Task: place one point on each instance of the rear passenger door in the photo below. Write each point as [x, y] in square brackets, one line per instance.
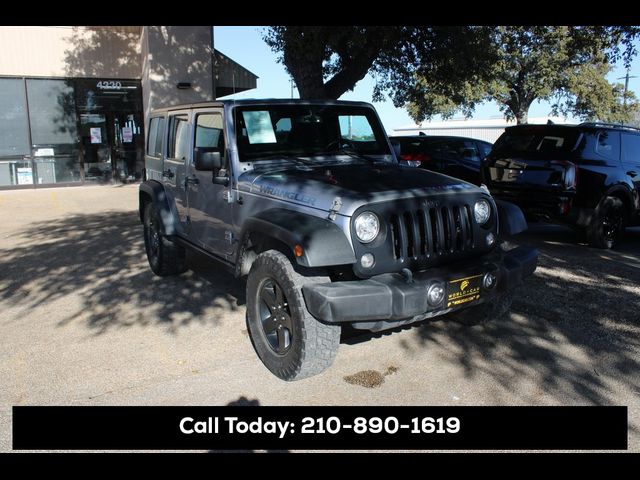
[631, 162]
[175, 164]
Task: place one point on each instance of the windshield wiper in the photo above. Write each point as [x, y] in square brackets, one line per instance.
[355, 154]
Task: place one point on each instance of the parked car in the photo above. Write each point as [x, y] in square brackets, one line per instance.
[307, 201]
[587, 176]
[458, 157]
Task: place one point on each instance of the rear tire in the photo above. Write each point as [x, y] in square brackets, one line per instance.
[485, 312]
[291, 343]
[608, 224]
[165, 257]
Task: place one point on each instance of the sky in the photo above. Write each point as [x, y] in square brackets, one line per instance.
[244, 44]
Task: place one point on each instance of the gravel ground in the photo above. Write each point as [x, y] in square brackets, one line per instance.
[84, 322]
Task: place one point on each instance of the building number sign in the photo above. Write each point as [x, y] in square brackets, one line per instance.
[109, 85]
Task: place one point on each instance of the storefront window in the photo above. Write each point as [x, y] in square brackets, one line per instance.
[56, 131]
[14, 127]
[53, 131]
[15, 172]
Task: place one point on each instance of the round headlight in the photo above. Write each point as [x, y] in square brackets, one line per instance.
[482, 211]
[367, 227]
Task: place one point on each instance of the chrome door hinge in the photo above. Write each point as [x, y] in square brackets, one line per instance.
[227, 196]
[228, 236]
[335, 208]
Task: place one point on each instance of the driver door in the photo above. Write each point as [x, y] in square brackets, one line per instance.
[209, 206]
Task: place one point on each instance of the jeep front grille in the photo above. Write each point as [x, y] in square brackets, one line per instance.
[440, 230]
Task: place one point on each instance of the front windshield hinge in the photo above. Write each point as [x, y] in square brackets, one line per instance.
[335, 208]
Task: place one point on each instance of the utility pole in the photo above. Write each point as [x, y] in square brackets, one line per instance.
[292, 87]
[626, 86]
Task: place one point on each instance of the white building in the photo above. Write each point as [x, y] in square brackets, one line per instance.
[487, 130]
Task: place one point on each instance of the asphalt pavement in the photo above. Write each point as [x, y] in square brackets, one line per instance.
[83, 321]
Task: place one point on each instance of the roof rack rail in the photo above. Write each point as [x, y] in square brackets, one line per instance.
[609, 125]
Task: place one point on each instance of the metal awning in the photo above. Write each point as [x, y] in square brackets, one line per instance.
[231, 77]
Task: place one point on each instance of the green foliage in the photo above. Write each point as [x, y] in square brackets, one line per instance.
[564, 65]
[444, 70]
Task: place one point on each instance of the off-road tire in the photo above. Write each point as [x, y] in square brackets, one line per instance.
[485, 312]
[608, 223]
[313, 344]
[165, 257]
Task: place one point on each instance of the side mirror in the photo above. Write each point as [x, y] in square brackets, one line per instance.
[206, 161]
[396, 147]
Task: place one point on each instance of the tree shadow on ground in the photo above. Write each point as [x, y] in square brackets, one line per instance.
[574, 325]
[96, 266]
[574, 328]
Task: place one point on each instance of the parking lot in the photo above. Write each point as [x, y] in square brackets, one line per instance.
[84, 322]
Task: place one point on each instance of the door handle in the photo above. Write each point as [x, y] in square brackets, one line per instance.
[632, 173]
[168, 173]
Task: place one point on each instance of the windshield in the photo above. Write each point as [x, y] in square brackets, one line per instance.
[286, 131]
[536, 141]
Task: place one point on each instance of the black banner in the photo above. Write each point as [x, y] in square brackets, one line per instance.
[319, 428]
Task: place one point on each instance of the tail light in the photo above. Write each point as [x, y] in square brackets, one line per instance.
[571, 172]
[416, 159]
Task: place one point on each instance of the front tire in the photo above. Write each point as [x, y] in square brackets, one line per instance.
[290, 342]
[608, 224]
[165, 257]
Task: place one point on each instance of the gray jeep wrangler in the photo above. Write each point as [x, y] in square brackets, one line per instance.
[307, 199]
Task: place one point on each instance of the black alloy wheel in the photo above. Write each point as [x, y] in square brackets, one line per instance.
[275, 316]
[612, 225]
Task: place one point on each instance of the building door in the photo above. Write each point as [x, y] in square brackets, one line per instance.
[127, 145]
[111, 129]
[94, 137]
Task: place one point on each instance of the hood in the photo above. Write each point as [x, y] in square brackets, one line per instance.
[356, 184]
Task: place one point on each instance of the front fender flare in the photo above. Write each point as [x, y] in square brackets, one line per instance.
[511, 220]
[323, 242]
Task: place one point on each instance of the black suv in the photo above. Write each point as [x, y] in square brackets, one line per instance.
[457, 157]
[587, 176]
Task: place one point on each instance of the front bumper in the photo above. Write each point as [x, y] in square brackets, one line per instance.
[391, 298]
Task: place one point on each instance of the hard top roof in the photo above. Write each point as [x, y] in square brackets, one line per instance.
[259, 101]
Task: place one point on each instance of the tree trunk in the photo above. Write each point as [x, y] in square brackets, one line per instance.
[522, 116]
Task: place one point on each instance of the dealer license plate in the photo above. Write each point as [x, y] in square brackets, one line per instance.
[463, 290]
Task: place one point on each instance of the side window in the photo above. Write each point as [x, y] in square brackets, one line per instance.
[631, 148]
[608, 145]
[153, 133]
[356, 127]
[154, 141]
[179, 137]
[209, 131]
[485, 149]
[468, 150]
[159, 137]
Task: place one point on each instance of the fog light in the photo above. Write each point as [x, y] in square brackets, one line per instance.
[489, 281]
[491, 239]
[435, 294]
[367, 260]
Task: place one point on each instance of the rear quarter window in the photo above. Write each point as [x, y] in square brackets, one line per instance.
[607, 145]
